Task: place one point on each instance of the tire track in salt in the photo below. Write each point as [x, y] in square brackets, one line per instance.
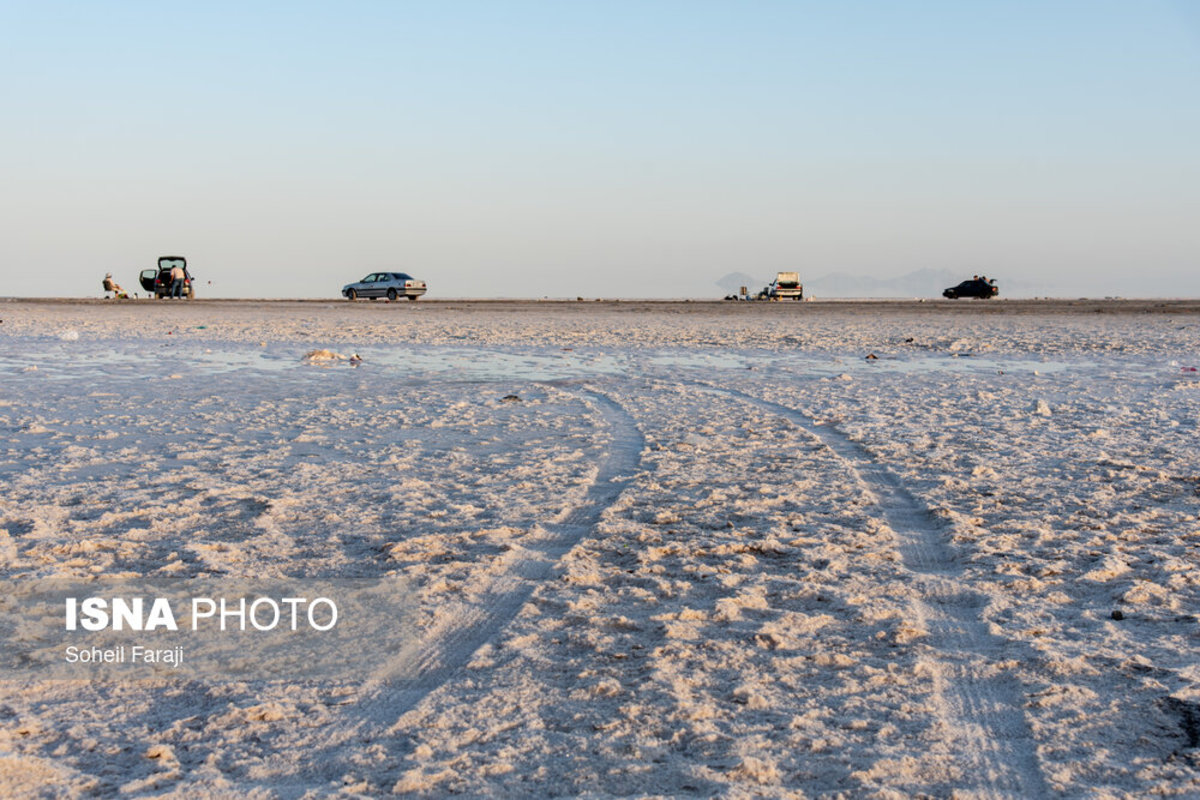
[433, 661]
[989, 737]
[445, 650]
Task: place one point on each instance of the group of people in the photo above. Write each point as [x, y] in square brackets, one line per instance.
[177, 277]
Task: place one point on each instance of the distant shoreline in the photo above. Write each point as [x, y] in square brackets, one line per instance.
[930, 306]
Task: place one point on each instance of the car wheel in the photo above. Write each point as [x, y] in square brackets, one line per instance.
[391, 295]
[351, 295]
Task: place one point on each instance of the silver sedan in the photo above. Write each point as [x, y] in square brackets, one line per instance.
[385, 284]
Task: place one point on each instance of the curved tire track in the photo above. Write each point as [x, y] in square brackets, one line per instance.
[442, 652]
[445, 650]
[992, 745]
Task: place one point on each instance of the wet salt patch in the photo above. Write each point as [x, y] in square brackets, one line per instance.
[460, 363]
[478, 363]
[826, 365]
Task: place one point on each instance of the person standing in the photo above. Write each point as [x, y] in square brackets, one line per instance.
[177, 275]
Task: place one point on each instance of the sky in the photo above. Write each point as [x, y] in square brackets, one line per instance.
[599, 149]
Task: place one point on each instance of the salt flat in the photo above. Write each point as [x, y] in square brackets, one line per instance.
[876, 549]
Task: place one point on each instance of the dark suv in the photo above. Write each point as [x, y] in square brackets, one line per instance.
[158, 281]
[981, 288]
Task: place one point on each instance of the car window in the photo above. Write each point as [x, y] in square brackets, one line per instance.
[369, 279]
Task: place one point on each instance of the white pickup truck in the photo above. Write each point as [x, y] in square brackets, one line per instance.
[785, 286]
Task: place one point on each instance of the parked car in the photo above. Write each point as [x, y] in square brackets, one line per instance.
[385, 284]
[158, 281]
[786, 286]
[980, 288]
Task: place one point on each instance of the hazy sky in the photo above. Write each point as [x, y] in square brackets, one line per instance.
[636, 149]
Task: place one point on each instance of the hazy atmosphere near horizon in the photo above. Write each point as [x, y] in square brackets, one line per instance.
[616, 149]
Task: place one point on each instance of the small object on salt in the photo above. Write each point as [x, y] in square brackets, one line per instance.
[872, 357]
[1118, 614]
[510, 398]
[326, 356]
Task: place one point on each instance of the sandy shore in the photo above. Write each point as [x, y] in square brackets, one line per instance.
[817, 549]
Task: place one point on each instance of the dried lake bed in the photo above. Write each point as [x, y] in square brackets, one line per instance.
[749, 549]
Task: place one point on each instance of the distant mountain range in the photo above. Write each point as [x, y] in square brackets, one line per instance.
[922, 283]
